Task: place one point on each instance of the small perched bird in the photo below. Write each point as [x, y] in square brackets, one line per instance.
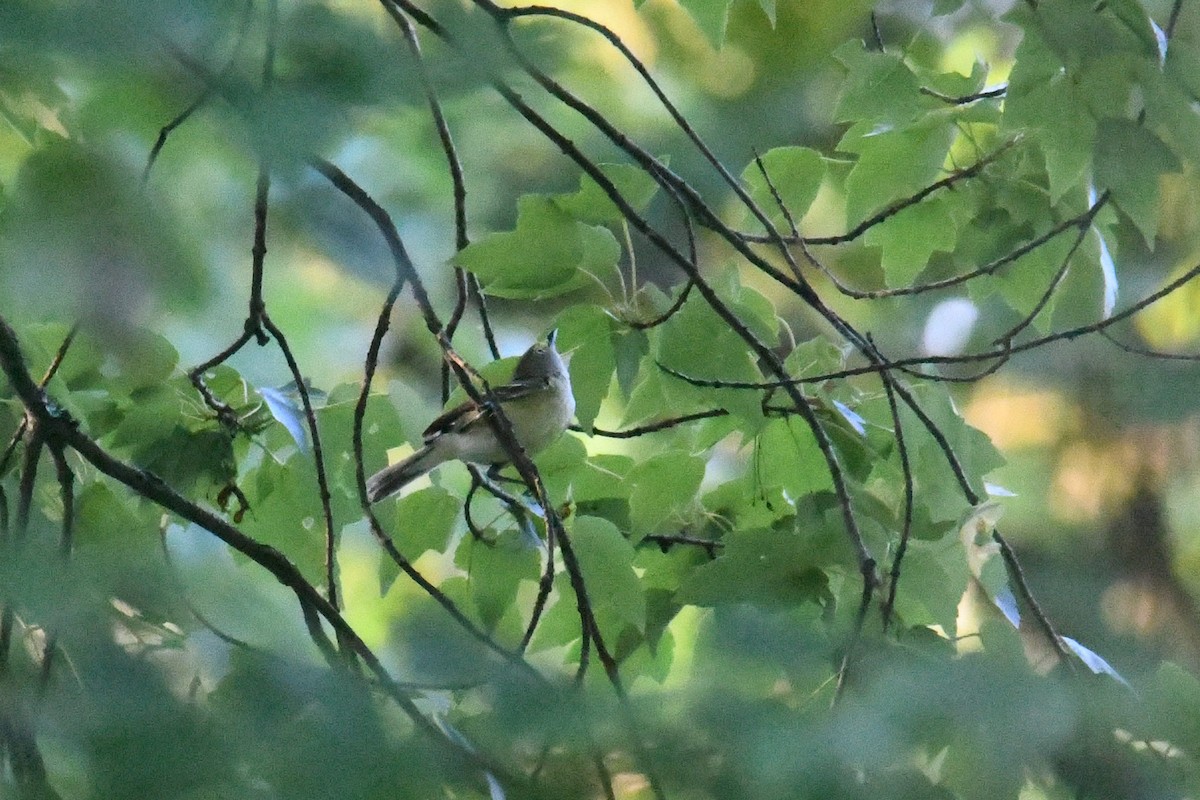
[537, 402]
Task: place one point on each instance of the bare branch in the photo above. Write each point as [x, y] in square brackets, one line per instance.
[655, 427]
[966, 99]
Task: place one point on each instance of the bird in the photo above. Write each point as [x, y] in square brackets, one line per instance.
[538, 403]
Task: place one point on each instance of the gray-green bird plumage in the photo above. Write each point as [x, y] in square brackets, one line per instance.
[537, 402]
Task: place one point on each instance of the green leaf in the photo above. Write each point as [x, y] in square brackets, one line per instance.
[586, 332]
[1129, 161]
[1081, 38]
[795, 172]
[119, 551]
[100, 242]
[753, 309]
[559, 624]
[144, 359]
[933, 577]
[560, 463]
[816, 356]
[666, 571]
[663, 487]
[972, 448]
[381, 430]
[768, 7]
[152, 414]
[893, 162]
[1172, 697]
[654, 659]
[878, 87]
[698, 343]
[786, 455]
[955, 84]
[649, 397]
[1183, 70]
[285, 512]
[910, 237]
[768, 567]
[423, 520]
[711, 16]
[1024, 282]
[606, 561]
[1041, 98]
[547, 254]
[592, 205]
[599, 489]
[1081, 297]
[155, 430]
[604, 476]
[629, 349]
[496, 571]
[1169, 111]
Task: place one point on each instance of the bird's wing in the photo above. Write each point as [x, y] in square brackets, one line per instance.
[452, 419]
[464, 414]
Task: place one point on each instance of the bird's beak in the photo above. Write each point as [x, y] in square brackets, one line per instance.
[551, 337]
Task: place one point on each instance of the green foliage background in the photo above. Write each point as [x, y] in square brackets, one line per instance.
[778, 596]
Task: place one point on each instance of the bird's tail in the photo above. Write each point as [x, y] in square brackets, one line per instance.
[390, 480]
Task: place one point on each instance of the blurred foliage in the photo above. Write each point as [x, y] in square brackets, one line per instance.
[1048, 145]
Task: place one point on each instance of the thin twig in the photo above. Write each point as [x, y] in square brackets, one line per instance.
[889, 604]
[202, 98]
[1003, 352]
[673, 309]
[66, 493]
[1017, 575]
[666, 541]
[793, 230]
[501, 426]
[876, 35]
[654, 427]
[1147, 351]
[318, 457]
[955, 280]
[461, 287]
[605, 775]
[545, 585]
[51, 371]
[654, 167]
[1084, 226]
[692, 256]
[965, 99]
[1176, 7]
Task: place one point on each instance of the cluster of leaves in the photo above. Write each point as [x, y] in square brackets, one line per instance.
[768, 557]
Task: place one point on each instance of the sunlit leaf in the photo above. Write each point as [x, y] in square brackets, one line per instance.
[795, 173]
[423, 520]
[548, 253]
[893, 162]
[592, 204]
[711, 16]
[663, 487]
